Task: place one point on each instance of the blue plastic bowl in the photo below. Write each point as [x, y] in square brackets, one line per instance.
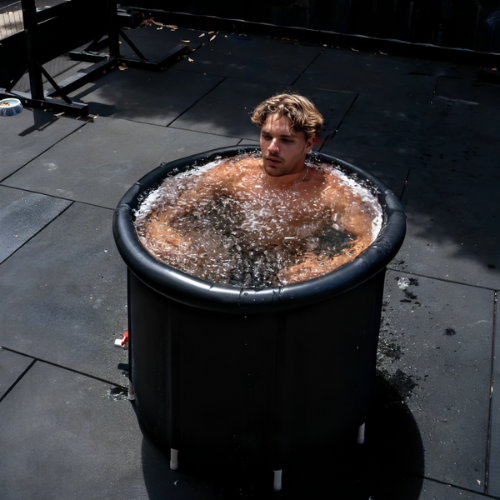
[14, 107]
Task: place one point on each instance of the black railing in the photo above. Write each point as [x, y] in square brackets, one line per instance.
[29, 55]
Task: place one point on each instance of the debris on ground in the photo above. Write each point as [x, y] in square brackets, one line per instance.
[118, 393]
[122, 341]
[150, 21]
[403, 283]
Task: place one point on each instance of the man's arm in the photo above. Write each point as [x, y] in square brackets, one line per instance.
[349, 211]
[159, 230]
[349, 215]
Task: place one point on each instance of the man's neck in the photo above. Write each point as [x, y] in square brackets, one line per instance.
[288, 178]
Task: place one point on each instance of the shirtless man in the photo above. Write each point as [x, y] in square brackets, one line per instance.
[279, 199]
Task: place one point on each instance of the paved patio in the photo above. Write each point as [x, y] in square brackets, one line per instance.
[428, 129]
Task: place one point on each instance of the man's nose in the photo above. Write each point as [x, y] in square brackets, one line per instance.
[273, 146]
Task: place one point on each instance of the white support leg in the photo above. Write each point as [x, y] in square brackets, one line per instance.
[277, 480]
[361, 434]
[174, 459]
[131, 393]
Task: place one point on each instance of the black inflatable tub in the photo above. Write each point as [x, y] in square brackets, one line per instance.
[270, 371]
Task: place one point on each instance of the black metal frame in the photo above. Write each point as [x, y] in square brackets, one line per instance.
[112, 40]
[37, 98]
[56, 98]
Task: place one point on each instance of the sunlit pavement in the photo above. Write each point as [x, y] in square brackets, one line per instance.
[428, 129]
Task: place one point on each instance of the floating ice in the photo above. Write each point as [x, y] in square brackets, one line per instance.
[224, 222]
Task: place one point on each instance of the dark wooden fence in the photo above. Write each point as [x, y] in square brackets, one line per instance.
[469, 24]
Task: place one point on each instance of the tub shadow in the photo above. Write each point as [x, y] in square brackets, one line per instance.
[389, 466]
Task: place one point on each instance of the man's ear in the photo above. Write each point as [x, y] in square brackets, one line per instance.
[310, 143]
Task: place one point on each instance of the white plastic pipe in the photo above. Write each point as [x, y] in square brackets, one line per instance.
[361, 434]
[131, 393]
[277, 480]
[174, 459]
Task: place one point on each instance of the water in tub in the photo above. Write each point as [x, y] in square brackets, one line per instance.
[230, 222]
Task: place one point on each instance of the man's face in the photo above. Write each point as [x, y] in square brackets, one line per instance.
[283, 149]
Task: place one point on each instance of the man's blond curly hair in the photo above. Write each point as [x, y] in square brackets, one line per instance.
[300, 110]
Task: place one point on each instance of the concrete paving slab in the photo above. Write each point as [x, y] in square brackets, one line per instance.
[378, 130]
[228, 108]
[435, 348]
[378, 119]
[100, 162]
[64, 294]
[151, 97]
[22, 215]
[393, 175]
[475, 153]
[12, 366]
[467, 140]
[469, 91]
[363, 72]
[27, 135]
[243, 57]
[432, 490]
[401, 155]
[494, 464]
[446, 135]
[72, 436]
[453, 228]
[155, 41]
[447, 155]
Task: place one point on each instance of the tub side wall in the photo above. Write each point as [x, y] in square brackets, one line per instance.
[254, 385]
[330, 367]
[152, 357]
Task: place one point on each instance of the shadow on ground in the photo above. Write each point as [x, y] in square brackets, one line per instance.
[453, 227]
[390, 465]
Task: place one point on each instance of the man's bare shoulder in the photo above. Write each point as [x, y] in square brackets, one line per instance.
[235, 165]
[336, 190]
[246, 162]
